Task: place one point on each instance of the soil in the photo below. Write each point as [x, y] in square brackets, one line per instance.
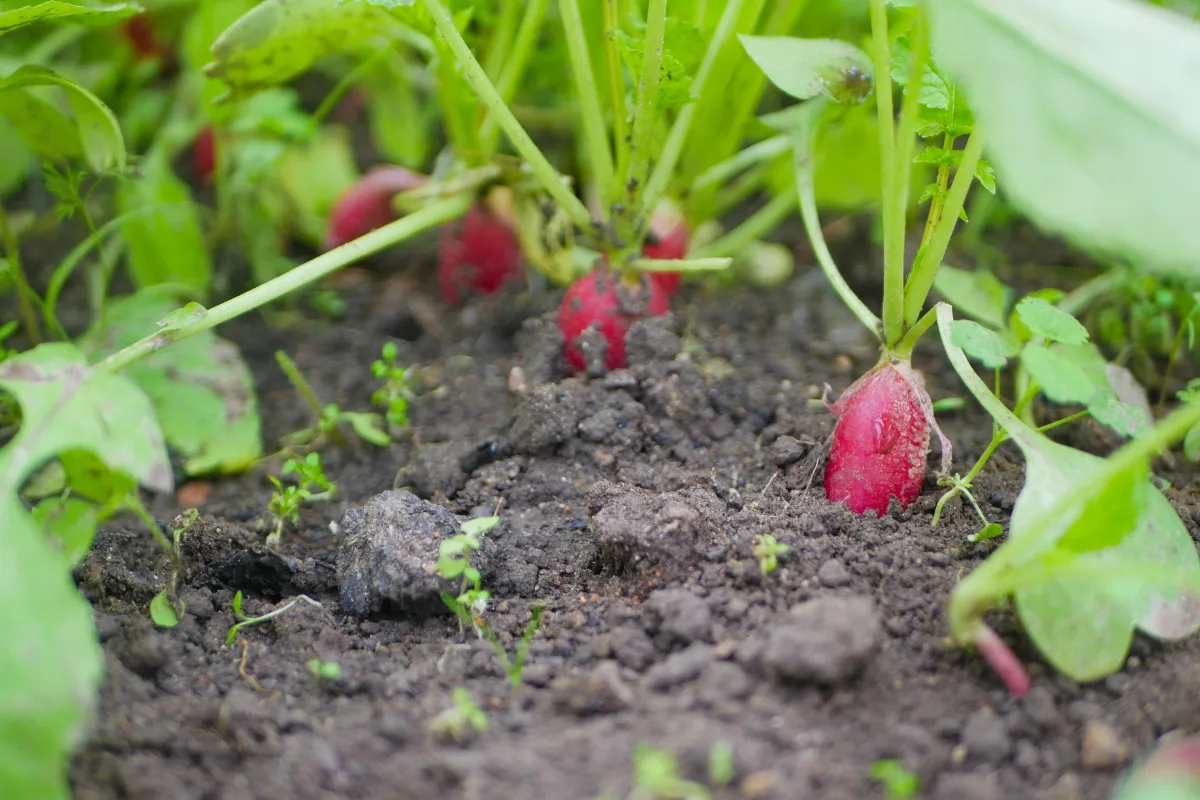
[629, 504]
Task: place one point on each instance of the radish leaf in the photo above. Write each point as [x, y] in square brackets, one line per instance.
[1082, 577]
[987, 346]
[805, 68]
[1050, 322]
[1061, 380]
[977, 294]
[84, 14]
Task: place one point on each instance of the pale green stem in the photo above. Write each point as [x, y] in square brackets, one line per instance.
[929, 260]
[501, 40]
[680, 264]
[24, 290]
[616, 86]
[317, 268]
[634, 181]
[673, 148]
[893, 241]
[594, 134]
[542, 169]
[758, 225]
[719, 174]
[514, 68]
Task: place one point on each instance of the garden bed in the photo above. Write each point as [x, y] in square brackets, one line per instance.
[629, 505]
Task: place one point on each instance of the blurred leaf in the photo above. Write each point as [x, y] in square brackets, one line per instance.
[58, 11]
[1091, 117]
[1050, 322]
[18, 160]
[166, 244]
[201, 388]
[1061, 380]
[805, 68]
[313, 175]
[982, 344]
[977, 293]
[99, 132]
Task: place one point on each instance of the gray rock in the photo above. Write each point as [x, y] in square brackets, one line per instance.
[600, 692]
[681, 667]
[986, 736]
[388, 559]
[632, 647]
[787, 450]
[679, 616]
[833, 574]
[824, 641]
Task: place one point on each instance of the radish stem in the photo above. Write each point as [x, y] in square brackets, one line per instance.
[893, 218]
[594, 134]
[514, 68]
[757, 225]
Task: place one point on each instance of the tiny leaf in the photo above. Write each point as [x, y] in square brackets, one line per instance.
[479, 525]
[975, 293]
[1050, 322]
[161, 611]
[984, 345]
[1061, 380]
[805, 68]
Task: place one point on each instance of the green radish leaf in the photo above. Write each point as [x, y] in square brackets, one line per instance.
[479, 525]
[401, 123]
[805, 68]
[70, 520]
[1126, 419]
[976, 293]
[161, 612]
[984, 345]
[1085, 103]
[1074, 586]
[201, 388]
[1191, 444]
[53, 666]
[279, 39]
[1061, 380]
[56, 10]
[1050, 322]
[18, 158]
[313, 176]
[99, 132]
[41, 127]
[166, 244]
[986, 175]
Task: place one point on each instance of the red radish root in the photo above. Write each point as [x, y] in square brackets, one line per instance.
[367, 204]
[602, 300]
[668, 241]
[1003, 660]
[479, 253]
[139, 32]
[881, 440]
[204, 153]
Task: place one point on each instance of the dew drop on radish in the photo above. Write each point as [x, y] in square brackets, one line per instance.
[600, 299]
[367, 204]
[477, 254]
[880, 441]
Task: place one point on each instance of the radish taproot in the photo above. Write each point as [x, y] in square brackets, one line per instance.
[477, 254]
[367, 204]
[603, 300]
[881, 439]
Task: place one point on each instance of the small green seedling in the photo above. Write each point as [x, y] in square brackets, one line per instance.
[721, 764]
[396, 392]
[898, 783]
[767, 551]
[457, 721]
[331, 419]
[324, 670]
[311, 486]
[656, 777]
[244, 622]
[166, 609]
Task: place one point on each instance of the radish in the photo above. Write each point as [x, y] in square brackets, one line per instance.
[204, 153]
[367, 204]
[601, 299]
[668, 241]
[881, 439]
[139, 32]
[479, 253]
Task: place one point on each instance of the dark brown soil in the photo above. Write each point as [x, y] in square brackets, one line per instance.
[630, 503]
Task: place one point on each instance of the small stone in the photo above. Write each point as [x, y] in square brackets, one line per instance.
[600, 692]
[680, 615]
[1103, 747]
[632, 647]
[833, 574]
[724, 681]
[787, 450]
[395, 727]
[824, 641]
[986, 736]
[1039, 705]
[681, 667]
[759, 784]
[967, 786]
[518, 384]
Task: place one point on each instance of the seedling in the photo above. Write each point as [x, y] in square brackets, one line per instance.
[324, 670]
[898, 783]
[167, 608]
[311, 486]
[656, 777]
[767, 551]
[396, 392]
[721, 764]
[454, 560]
[245, 622]
[458, 720]
[330, 417]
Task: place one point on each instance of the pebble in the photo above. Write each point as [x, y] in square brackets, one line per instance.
[986, 736]
[787, 450]
[632, 647]
[1103, 747]
[967, 786]
[680, 615]
[600, 692]
[681, 667]
[833, 574]
[724, 681]
[1039, 705]
[824, 641]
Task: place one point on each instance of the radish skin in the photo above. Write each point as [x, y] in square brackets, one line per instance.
[479, 254]
[602, 300]
[367, 204]
[668, 241]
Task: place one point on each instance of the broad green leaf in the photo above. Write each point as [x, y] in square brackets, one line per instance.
[1191, 444]
[161, 612]
[1085, 602]
[1091, 115]
[99, 132]
[166, 244]
[1061, 380]
[56, 10]
[18, 161]
[402, 125]
[279, 39]
[1126, 419]
[70, 520]
[1050, 322]
[978, 294]
[805, 68]
[44, 129]
[201, 388]
[984, 345]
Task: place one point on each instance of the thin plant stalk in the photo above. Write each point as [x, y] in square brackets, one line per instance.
[893, 218]
[541, 167]
[758, 225]
[719, 174]
[501, 40]
[634, 180]
[324, 264]
[13, 254]
[594, 133]
[514, 68]
[616, 88]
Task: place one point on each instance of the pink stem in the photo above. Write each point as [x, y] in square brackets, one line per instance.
[1003, 660]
